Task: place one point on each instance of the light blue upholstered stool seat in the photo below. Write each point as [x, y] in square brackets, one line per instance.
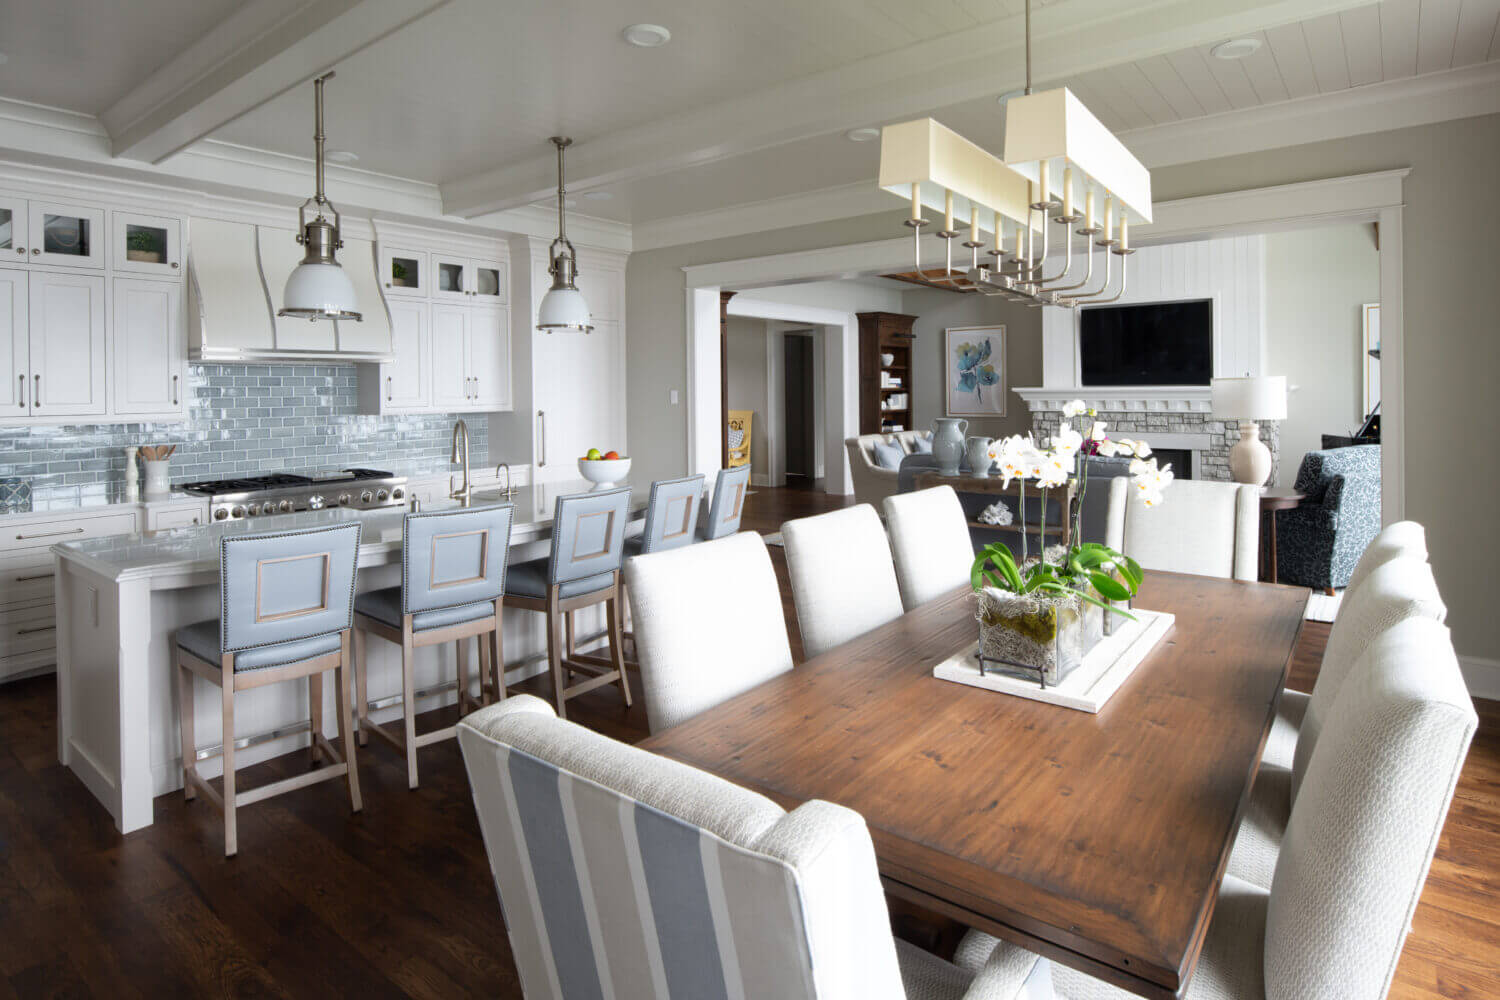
[288, 601]
[727, 508]
[583, 570]
[453, 576]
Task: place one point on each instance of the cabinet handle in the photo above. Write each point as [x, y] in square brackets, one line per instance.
[51, 534]
[36, 394]
[176, 399]
[21, 251]
[35, 251]
[388, 388]
[39, 628]
[476, 386]
[34, 576]
[175, 265]
[21, 393]
[541, 425]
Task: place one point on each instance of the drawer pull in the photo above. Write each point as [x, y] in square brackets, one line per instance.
[39, 628]
[37, 576]
[51, 534]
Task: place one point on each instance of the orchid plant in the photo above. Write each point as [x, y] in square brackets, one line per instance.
[1087, 565]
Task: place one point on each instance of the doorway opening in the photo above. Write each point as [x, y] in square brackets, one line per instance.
[799, 409]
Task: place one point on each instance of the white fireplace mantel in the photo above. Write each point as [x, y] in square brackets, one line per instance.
[1133, 399]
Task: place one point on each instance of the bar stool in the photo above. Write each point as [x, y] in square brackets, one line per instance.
[452, 582]
[588, 544]
[671, 522]
[728, 506]
[287, 600]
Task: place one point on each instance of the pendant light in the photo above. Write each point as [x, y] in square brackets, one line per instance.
[563, 307]
[318, 288]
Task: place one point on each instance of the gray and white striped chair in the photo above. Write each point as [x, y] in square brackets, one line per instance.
[452, 584]
[1205, 528]
[843, 580]
[930, 542]
[625, 874]
[583, 571]
[287, 601]
[708, 624]
[1394, 592]
[1358, 845]
[727, 508]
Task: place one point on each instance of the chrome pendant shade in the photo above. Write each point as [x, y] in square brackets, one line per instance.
[563, 307]
[318, 288]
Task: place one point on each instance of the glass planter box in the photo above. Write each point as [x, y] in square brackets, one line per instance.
[1040, 637]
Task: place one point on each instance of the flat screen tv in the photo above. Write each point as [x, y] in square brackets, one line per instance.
[1161, 343]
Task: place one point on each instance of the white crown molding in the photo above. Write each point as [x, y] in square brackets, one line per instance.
[1117, 399]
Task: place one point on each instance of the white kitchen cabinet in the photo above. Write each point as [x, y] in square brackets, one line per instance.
[147, 244]
[13, 219]
[469, 279]
[450, 356]
[149, 348]
[406, 383]
[68, 376]
[489, 358]
[403, 273]
[15, 342]
[66, 235]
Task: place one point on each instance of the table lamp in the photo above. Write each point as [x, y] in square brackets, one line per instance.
[1248, 399]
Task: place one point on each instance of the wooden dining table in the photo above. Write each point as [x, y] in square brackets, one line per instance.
[1098, 841]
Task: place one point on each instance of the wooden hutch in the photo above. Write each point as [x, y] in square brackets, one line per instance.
[885, 390]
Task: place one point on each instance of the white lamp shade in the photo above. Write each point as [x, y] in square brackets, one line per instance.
[564, 309]
[939, 161]
[1257, 397]
[320, 289]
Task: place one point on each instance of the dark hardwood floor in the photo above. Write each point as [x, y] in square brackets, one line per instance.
[398, 901]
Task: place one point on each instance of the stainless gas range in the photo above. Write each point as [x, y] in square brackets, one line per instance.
[286, 493]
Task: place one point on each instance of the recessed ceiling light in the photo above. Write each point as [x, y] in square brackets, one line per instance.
[647, 36]
[598, 195]
[862, 134]
[341, 156]
[1236, 48]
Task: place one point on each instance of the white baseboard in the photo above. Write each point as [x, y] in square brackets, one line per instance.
[1482, 675]
[758, 479]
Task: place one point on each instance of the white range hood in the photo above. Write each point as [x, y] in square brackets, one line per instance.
[236, 274]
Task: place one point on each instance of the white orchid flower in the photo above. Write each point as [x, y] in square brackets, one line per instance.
[1066, 442]
[1142, 449]
[1011, 453]
[1097, 433]
[1074, 409]
[1108, 448]
[1054, 472]
[1141, 467]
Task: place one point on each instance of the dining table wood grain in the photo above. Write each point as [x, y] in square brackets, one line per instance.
[1098, 841]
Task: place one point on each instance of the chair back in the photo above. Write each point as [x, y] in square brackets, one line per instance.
[1205, 528]
[930, 542]
[740, 425]
[843, 580]
[1403, 538]
[454, 557]
[626, 874]
[708, 625]
[1363, 831]
[728, 505]
[279, 586]
[1400, 589]
[672, 514]
[588, 534]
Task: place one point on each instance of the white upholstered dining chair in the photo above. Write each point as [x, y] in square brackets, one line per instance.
[1205, 528]
[626, 874]
[1398, 591]
[843, 580]
[1358, 844]
[930, 542]
[708, 624]
[1403, 539]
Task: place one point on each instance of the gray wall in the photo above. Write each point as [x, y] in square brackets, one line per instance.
[747, 383]
[1317, 280]
[1452, 355]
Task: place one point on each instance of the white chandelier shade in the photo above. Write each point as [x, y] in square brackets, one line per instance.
[951, 175]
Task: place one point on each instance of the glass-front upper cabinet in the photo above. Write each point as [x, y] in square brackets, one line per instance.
[489, 281]
[12, 228]
[403, 272]
[452, 277]
[147, 244]
[70, 235]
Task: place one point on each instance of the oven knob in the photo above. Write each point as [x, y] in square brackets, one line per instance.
[220, 514]
[345, 499]
[237, 512]
[397, 493]
[315, 502]
[253, 510]
[382, 496]
[285, 506]
[366, 497]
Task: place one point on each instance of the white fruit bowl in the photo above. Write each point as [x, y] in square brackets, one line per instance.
[603, 472]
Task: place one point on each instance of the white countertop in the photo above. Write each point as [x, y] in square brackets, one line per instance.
[183, 551]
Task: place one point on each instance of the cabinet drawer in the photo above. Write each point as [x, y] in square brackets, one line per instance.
[27, 630]
[43, 534]
[175, 517]
[26, 580]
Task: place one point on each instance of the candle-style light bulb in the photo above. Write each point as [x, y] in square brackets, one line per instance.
[1043, 181]
[916, 201]
[1088, 208]
[1124, 229]
[1068, 192]
[973, 223]
[947, 211]
[1109, 219]
[999, 231]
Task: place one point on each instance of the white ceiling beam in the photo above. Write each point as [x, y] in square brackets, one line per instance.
[1069, 39]
[263, 49]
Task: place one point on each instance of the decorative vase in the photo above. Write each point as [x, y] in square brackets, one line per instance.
[948, 443]
[978, 453]
[158, 480]
[1036, 636]
[132, 476]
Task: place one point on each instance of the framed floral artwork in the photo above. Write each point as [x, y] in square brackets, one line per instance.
[974, 366]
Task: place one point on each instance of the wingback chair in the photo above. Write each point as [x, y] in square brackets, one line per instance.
[625, 874]
[843, 580]
[930, 542]
[1205, 528]
[1319, 541]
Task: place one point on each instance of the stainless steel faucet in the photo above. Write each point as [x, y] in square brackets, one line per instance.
[465, 493]
[509, 490]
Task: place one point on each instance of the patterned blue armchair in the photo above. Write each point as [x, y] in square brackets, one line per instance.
[1318, 543]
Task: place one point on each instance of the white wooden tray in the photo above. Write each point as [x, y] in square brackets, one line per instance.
[1087, 688]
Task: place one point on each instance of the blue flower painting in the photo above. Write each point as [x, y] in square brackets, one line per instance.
[976, 357]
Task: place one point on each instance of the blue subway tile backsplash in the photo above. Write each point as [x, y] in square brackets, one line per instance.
[242, 420]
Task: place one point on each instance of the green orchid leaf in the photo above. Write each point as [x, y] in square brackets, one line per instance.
[1109, 586]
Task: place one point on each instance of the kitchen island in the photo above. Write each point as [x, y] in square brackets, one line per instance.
[120, 599]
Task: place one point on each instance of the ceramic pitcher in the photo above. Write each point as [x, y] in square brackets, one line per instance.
[948, 443]
[979, 456]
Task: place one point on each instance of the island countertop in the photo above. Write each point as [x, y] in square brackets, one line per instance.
[185, 551]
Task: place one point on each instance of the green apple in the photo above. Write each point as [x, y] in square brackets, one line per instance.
[593, 455]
